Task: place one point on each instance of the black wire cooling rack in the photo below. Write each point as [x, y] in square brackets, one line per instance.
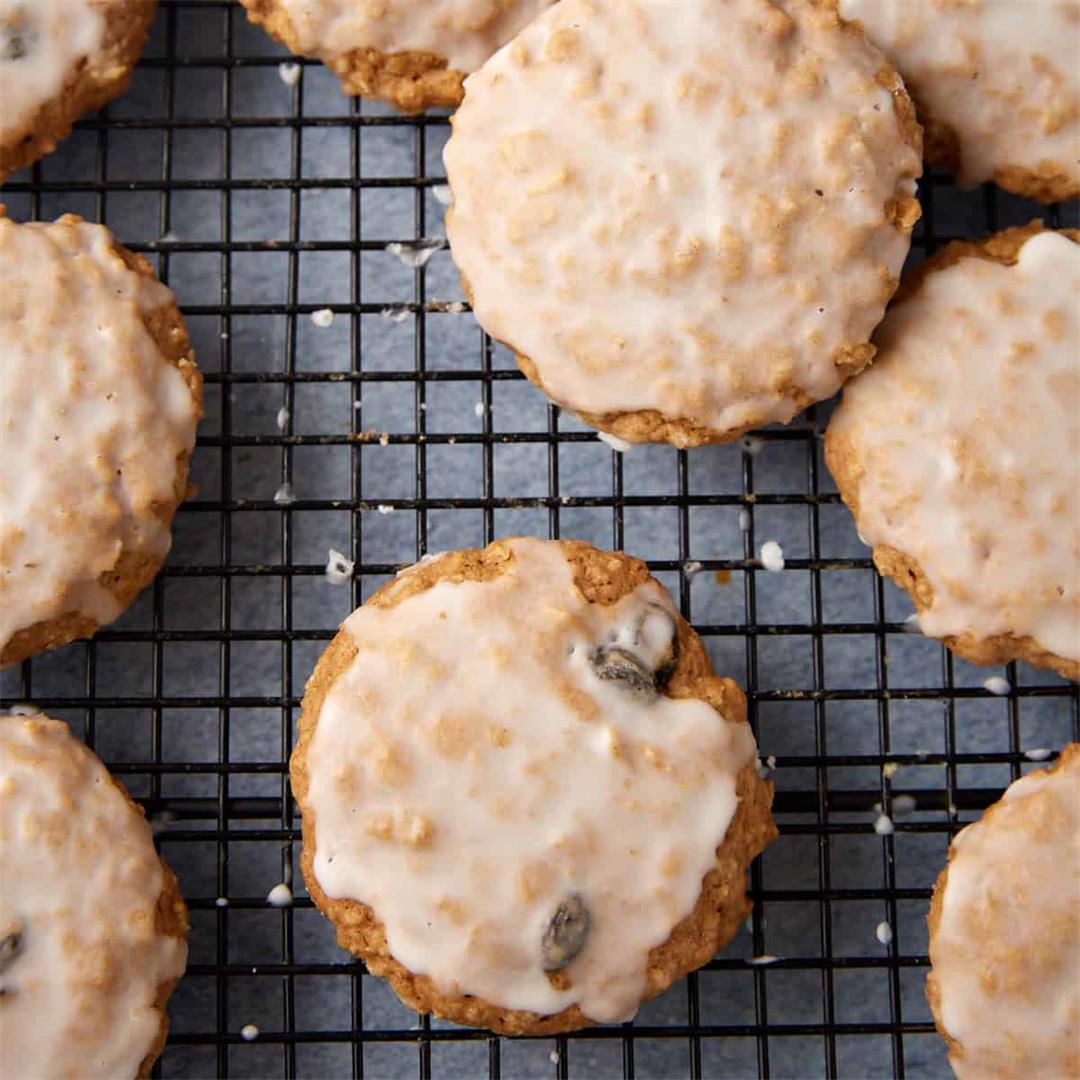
[264, 196]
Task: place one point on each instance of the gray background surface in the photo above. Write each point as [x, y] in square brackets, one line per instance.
[192, 695]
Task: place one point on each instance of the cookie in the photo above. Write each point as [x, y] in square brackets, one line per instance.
[527, 801]
[93, 931]
[98, 405]
[957, 451]
[685, 219]
[59, 59]
[996, 82]
[1004, 922]
[412, 55]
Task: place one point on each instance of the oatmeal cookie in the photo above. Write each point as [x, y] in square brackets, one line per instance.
[98, 405]
[93, 931]
[410, 54]
[996, 82]
[527, 801]
[684, 223]
[1004, 923]
[957, 452]
[59, 59]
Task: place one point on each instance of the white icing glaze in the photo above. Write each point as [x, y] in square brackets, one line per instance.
[81, 883]
[1006, 952]
[53, 36]
[967, 434]
[680, 206]
[469, 771]
[464, 32]
[1003, 74]
[92, 420]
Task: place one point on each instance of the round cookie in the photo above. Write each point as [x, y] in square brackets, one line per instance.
[59, 59]
[93, 931]
[99, 401]
[997, 84]
[410, 54]
[957, 451]
[527, 801]
[1004, 923]
[684, 225]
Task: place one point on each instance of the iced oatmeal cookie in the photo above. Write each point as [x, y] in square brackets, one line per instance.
[93, 931]
[1005, 934]
[413, 54]
[527, 801]
[958, 452]
[685, 218]
[59, 59]
[99, 398]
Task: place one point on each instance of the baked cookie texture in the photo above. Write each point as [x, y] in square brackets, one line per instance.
[98, 408]
[527, 801]
[413, 55]
[996, 82]
[58, 60]
[1004, 922]
[957, 452]
[684, 227]
[93, 930]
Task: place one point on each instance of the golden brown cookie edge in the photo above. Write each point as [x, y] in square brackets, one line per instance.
[602, 577]
[410, 80]
[94, 82]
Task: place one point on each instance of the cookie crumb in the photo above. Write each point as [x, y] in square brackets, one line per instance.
[883, 826]
[884, 933]
[289, 73]
[284, 495]
[889, 769]
[417, 254]
[772, 556]
[620, 446]
[280, 896]
[323, 317]
[384, 439]
[443, 194]
[997, 685]
[339, 568]
[1037, 754]
[249, 1033]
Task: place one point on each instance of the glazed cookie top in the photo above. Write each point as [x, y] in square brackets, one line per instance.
[1001, 73]
[498, 777]
[41, 44]
[464, 32]
[81, 954]
[1006, 951]
[93, 420]
[965, 438]
[694, 208]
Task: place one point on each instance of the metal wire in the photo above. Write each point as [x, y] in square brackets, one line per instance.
[799, 1015]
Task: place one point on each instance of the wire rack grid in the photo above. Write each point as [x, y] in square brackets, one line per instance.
[264, 196]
